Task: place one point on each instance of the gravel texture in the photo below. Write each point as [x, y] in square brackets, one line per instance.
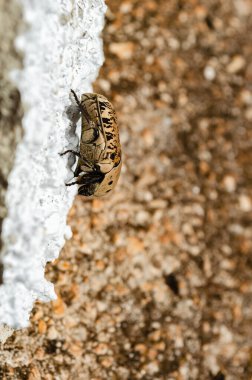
[156, 282]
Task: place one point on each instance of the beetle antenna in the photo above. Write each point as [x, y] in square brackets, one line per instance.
[82, 108]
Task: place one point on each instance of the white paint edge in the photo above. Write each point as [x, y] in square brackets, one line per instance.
[62, 50]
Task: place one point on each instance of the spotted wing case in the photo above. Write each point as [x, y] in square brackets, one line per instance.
[107, 151]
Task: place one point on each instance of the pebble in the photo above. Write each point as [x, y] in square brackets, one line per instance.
[209, 73]
[42, 327]
[245, 203]
[123, 50]
[52, 333]
[229, 183]
[237, 63]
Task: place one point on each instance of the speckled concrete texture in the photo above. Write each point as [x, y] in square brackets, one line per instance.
[38, 202]
[10, 106]
[156, 283]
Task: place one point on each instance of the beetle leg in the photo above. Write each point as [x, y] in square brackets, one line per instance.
[87, 163]
[72, 183]
[87, 179]
[76, 98]
[70, 151]
[82, 107]
[89, 135]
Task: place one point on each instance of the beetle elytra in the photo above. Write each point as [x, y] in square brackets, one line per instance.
[99, 159]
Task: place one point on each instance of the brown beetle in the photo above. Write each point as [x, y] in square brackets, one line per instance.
[99, 163]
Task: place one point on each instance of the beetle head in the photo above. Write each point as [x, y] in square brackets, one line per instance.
[89, 183]
[87, 190]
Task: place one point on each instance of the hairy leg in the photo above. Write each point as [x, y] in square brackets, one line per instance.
[88, 179]
[72, 183]
[82, 107]
[70, 151]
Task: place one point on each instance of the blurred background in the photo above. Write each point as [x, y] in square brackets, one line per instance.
[156, 282]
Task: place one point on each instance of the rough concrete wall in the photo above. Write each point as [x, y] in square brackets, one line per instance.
[10, 106]
[61, 50]
[10, 109]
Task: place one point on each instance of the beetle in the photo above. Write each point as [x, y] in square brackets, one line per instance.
[99, 159]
